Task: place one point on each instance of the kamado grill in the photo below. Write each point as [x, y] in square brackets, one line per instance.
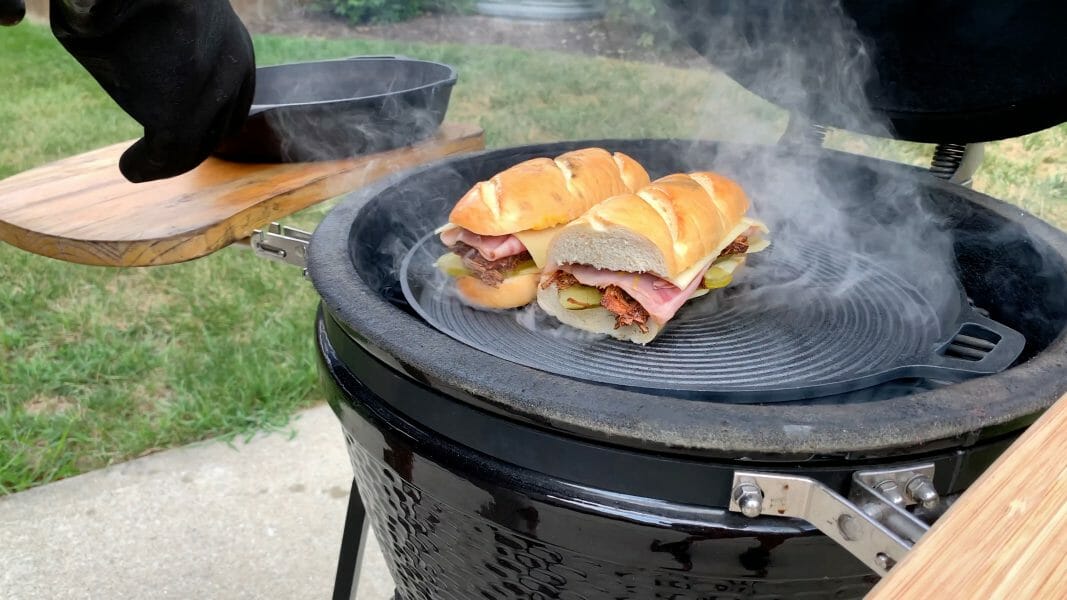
[485, 477]
[791, 437]
[786, 444]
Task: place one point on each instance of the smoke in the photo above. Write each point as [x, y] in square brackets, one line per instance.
[809, 58]
[359, 107]
[533, 318]
[347, 107]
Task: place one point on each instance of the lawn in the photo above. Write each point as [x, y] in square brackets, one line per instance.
[99, 365]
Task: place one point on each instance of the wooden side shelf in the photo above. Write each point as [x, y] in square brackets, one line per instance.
[82, 210]
[1006, 537]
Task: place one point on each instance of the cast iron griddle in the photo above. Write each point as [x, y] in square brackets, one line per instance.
[791, 326]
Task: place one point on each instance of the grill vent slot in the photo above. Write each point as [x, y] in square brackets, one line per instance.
[972, 343]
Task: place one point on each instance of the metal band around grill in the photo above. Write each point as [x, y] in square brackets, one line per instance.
[872, 523]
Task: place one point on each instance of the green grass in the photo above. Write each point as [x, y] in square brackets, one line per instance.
[100, 365]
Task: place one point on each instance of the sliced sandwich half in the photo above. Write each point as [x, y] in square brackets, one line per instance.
[498, 233]
[630, 263]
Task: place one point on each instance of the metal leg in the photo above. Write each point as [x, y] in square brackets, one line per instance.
[353, 542]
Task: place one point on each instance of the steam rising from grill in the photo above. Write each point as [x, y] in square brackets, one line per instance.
[353, 127]
[334, 109]
[785, 190]
[845, 201]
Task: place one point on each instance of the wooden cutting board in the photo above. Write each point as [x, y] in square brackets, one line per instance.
[82, 210]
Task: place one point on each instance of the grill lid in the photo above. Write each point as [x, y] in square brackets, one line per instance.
[956, 71]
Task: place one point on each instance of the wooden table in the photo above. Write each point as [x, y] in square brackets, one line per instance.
[1006, 537]
[82, 210]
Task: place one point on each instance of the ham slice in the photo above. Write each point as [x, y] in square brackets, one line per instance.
[491, 247]
[659, 297]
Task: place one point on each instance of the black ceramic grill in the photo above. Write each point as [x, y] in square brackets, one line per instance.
[737, 346]
[495, 469]
[450, 442]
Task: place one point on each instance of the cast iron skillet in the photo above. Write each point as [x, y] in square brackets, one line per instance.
[333, 109]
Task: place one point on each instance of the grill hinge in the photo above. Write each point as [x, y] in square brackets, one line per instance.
[872, 523]
[283, 244]
[957, 162]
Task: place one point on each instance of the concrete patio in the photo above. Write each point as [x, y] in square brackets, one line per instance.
[256, 520]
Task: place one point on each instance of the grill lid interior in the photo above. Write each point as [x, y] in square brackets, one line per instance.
[956, 71]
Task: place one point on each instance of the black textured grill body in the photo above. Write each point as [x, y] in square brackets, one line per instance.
[437, 552]
[456, 524]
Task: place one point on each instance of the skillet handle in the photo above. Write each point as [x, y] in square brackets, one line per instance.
[972, 351]
[378, 56]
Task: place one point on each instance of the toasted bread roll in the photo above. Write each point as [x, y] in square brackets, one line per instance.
[663, 229]
[542, 193]
[514, 292]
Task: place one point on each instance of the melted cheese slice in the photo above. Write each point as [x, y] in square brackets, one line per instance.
[683, 279]
[536, 242]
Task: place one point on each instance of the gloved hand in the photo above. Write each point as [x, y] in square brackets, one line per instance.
[184, 69]
[11, 11]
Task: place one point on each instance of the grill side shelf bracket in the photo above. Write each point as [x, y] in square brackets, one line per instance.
[872, 523]
[284, 244]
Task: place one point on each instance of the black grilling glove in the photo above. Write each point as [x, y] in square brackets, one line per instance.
[11, 11]
[184, 69]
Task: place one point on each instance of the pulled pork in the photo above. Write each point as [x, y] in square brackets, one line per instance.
[738, 246]
[627, 311]
[490, 272]
[562, 279]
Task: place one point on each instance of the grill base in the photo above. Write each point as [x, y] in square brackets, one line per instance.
[455, 525]
[436, 552]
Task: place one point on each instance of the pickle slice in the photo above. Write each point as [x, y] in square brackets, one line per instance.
[579, 297]
[716, 278]
[452, 265]
[526, 267]
[721, 272]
